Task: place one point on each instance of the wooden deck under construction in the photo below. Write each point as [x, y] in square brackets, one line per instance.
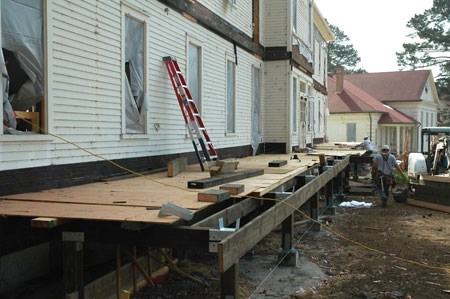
[125, 211]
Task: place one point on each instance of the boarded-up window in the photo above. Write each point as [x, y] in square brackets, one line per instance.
[22, 66]
[135, 95]
[194, 73]
[231, 97]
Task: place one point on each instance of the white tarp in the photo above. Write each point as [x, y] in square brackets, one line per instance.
[135, 97]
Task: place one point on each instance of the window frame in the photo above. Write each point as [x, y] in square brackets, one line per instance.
[294, 121]
[231, 60]
[45, 122]
[192, 41]
[140, 16]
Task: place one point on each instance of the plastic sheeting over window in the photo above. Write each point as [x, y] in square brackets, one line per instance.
[22, 40]
[256, 131]
[135, 96]
[194, 73]
[231, 82]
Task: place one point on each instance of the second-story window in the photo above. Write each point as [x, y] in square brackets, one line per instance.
[231, 97]
[294, 16]
[310, 24]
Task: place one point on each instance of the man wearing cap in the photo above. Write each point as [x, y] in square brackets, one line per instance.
[382, 171]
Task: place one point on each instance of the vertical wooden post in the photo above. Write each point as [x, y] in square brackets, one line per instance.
[118, 266]
[355, 170]
[287, 229]
[133, 252]
[330, 209]
[314, 211]
[73, 264]
[229, 283]
[346, 179]
[149, 262]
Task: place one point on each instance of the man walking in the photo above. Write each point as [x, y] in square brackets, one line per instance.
[382, 169]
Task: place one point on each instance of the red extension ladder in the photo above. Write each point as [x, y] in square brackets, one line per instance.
[194, 122]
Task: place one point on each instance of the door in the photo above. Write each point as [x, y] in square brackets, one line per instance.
[351, 132]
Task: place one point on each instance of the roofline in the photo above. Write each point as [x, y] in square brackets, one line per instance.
[322, 25]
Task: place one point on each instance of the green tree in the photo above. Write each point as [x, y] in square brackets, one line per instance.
[430, 45]
[341, 52]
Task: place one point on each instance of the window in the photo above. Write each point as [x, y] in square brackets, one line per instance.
[294, 16]
[426, 120]
[231, 97]
[294, 105]
[24, 99]
[310, 24]
[194, 73]
[135, 98]
[310, 115]
[432, 120]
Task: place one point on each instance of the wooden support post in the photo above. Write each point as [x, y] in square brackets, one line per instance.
[355, 171]
[118, 266]
[330, 209]
[314, 211]
[346, 179]
[229, 283]
[149, 262]
[287, 229]
[133, 254]
[73, 264]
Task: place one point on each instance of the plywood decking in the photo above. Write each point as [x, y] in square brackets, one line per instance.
[139, 199]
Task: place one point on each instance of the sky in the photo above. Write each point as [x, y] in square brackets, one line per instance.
[377, 29]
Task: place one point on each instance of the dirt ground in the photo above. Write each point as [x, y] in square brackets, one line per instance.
[395, 252]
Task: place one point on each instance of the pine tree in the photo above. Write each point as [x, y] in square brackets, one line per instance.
[342, 53]
[431, 42]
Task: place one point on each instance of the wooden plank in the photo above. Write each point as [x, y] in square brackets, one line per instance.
[428, 205]
[277, 163]
[82, 211]
[440, 179]
[236, 245]
[224, 178]
[176, 166]
[214, 195]
[234, 189]
[46, 222]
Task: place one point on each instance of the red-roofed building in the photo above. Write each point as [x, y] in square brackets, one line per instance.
[387, 107]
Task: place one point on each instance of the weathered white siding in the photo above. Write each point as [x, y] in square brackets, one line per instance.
[276, 18]
[86, 90]
[304, 22]
[238, 14]
[276, 97]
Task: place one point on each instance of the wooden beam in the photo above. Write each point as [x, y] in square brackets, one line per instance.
[428, 205]
[255, 16]
[214, 195]
[216, 24]
[235, 246]
[277, 163]
[234, 189]
[176, 166]
[224, 178]
[46, 222]
[230, 214]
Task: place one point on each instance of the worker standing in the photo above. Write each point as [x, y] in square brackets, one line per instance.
[382, 172]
